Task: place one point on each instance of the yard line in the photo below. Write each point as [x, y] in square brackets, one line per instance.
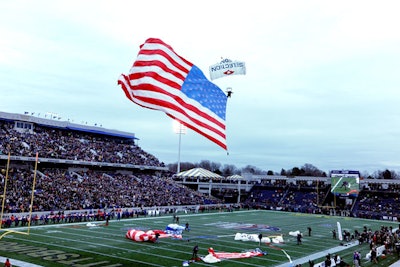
[108, 246]
[320, 254]
[165, 216]
[122, 258]
[89, 251]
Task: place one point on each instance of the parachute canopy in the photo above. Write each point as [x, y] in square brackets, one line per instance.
[150, 235]
[214, 257]
[254, 237]
[227, 67]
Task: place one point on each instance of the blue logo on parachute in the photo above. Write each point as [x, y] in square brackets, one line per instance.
[174, 229]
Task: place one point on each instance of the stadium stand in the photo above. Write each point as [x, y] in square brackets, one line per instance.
[90, 173]
[89, 168]
[81, 169]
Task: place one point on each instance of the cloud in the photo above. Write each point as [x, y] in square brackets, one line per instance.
[321, 84]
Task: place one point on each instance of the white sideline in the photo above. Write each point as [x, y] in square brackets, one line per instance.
[320, 254]
[19, 263]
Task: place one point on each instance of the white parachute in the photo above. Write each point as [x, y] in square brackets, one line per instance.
[254, 237]
[227, 67]
[295, 233]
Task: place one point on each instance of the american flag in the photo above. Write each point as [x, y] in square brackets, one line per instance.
[160, 79]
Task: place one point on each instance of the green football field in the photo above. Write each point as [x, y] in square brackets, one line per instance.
[81, 245]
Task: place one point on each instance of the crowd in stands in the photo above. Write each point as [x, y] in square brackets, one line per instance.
[72, 145]
[381, 242]
[279, 194]
[62, 188]
[373, 201]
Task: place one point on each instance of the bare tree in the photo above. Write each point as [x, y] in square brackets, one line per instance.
[311, 170]
[215, 166]
[252, 169]
[229, 170]
[205, 164]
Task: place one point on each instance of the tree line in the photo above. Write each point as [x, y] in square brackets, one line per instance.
[306, 170]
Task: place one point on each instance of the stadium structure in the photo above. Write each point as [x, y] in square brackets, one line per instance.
[76, 153]
[56, 171]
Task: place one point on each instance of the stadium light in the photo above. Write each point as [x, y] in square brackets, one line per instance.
[179, 129]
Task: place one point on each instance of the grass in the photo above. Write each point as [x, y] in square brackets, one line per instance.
[79, 245]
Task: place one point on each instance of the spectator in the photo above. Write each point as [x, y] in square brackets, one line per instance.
[356, 259]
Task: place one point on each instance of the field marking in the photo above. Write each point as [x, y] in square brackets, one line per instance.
[129, 250]
[166, 217]
[122, 241]
[197, 239]
[89, 251]
[136, 250]
[134, 219]
[320, 254]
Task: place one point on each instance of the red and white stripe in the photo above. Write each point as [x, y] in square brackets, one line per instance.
[155, 82]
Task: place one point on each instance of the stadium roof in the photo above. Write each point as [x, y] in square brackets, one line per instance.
[199, 173]
[235, 176]
[56, 123]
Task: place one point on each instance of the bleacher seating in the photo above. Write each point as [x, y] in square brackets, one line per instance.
[82, 186]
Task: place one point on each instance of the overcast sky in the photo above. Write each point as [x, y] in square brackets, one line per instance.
[322, 82]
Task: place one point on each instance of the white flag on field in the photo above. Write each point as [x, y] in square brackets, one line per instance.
[339, 229]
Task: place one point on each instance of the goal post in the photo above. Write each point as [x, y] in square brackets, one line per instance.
[5, 231]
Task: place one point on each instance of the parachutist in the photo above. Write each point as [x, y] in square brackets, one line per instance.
[229, 92]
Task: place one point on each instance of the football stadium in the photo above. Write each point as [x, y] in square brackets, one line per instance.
[78, 195]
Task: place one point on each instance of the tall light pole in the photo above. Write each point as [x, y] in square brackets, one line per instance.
[180, 129]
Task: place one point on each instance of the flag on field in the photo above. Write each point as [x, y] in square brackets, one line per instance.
[214, 256]
[255, 238]
[339, 229]
[160, 79]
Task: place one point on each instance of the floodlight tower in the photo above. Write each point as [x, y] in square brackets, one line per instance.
[179, 129]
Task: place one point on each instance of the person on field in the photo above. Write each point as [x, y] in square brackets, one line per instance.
[299, 236]
[195, 256]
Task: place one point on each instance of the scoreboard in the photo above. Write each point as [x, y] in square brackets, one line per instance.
[345, 182]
